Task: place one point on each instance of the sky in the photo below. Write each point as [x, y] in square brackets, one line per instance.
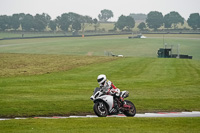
[93, 8]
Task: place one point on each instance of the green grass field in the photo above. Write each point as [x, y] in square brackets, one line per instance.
[99, 125]
[154, 85]
[189, 44]
[49, 77]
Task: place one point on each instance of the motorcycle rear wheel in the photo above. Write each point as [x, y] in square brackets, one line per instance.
[132, 111]
[100, 109]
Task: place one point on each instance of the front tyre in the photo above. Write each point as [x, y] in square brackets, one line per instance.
[100, 109]
[132, 110]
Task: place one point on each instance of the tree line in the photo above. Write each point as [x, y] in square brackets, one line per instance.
[40, 22]
[75, 22]
[155, 20]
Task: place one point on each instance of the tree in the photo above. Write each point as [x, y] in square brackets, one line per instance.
[52, 25]
[121, 22]
[167, 22]
[64, 22]
[96, 24]
[73, 16]
[154, 20]
[4, 22]
[85, 21]
[125, 22]
[41, 21]
[71, 20]
[194, 21]
[15, 21]
[173, 18]
[142, 26]
[44, 20]
[130, 22]
[21, 17]
[105, 15]
[76, 25]
[27, 22]
[75, 20]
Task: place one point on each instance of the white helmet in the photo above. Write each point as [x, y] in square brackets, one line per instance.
[101, 79]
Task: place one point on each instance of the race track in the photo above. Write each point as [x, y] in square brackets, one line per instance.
[159, 114]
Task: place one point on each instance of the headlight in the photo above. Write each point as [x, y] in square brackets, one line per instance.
[92, 97]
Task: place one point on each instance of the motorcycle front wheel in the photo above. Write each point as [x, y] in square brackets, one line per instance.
[132, 110]
[100, 109]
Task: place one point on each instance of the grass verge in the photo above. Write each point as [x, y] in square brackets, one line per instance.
[99, 125]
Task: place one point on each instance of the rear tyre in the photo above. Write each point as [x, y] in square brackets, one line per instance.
[132, 110]
[100, 109]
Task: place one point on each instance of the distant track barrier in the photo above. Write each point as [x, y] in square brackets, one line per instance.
[85, 35]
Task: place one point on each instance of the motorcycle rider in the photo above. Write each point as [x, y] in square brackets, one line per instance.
[110, 89]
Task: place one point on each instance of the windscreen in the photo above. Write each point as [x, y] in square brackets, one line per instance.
[96, 89]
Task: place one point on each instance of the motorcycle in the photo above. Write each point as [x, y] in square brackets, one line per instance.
[110, 104]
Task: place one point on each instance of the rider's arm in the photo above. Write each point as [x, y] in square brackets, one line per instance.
[115, 90]
[105, 90]
[113, 86]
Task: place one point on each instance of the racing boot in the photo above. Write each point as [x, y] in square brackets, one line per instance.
[124, 105]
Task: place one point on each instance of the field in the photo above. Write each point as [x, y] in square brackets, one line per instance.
[97, 46]
[49, 77]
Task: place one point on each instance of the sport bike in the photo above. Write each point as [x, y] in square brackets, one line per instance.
[110, 104]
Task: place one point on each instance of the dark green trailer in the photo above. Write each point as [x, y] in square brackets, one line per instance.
[164, 52]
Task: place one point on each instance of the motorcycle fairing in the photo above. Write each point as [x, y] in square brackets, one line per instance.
[108, 99]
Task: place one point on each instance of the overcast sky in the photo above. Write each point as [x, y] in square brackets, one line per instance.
[93, 7]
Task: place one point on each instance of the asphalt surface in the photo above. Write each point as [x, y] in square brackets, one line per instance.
[159, 114]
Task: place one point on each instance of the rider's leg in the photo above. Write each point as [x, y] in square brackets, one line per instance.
[124, 103]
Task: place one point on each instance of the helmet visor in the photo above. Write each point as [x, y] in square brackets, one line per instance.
[99, 80]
